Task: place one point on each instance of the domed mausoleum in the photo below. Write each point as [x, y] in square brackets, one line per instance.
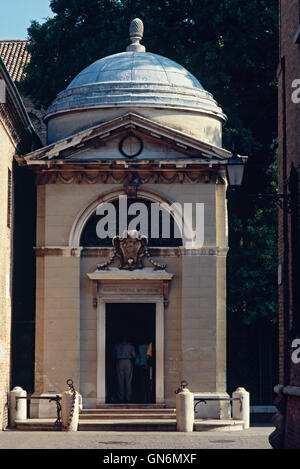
[131, 236]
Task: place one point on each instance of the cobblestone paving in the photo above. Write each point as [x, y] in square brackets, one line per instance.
[253, 438]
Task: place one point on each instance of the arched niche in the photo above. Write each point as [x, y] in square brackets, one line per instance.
[83, 232]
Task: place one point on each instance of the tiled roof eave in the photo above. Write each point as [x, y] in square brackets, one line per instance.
[15, 57]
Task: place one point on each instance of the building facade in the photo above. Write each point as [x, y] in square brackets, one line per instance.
[288, 421]
[131, 132]
[16, 135]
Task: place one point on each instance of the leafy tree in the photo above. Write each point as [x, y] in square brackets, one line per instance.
[252, 259]
[252, 332]
[231, 47]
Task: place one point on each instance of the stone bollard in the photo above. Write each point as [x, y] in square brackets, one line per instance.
[184, 408]
[17, 407]
[241, 409]
[70, 408]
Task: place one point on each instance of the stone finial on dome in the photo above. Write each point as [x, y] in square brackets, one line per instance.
[136, 31]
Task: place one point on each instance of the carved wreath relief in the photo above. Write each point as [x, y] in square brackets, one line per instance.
[130, 249]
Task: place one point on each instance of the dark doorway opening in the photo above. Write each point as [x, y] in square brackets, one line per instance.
[136, 322]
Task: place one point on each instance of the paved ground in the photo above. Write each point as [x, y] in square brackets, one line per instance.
[253, 438]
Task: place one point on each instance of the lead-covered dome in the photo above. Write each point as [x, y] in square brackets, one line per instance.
[136, 67]
[133, 79]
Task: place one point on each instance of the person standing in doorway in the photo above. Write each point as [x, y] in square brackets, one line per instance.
[149, 364]
[124, 353]
[143, 372]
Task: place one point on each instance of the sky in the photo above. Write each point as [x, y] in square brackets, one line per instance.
[16, 16]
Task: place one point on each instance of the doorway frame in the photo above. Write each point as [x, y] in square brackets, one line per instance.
[101, 341]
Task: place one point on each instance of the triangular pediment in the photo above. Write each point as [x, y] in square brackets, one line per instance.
[131, 137]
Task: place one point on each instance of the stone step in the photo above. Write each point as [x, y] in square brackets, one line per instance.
[132, 425]
[36, 425]
[130, 406]
[125, 411]
[206, 425]
[128, 425]
[127, 415]
[157, 425]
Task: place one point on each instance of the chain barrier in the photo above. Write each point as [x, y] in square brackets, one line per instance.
[57, 400]
[183, 385]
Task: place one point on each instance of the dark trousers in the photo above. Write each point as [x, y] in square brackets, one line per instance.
[124, 376]
[144, 382]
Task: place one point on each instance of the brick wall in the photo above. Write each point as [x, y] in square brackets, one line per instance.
[292, 432]
[289, 152]
[6, 152]
[13, 135]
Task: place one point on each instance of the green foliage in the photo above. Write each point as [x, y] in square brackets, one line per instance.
[62, 46]
[252, 266]
[231, 47]
[253, 257]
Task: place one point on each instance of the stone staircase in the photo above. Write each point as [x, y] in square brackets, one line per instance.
[118, 417]
[131, 417]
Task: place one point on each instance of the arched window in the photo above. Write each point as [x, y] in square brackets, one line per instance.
[148, 218]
